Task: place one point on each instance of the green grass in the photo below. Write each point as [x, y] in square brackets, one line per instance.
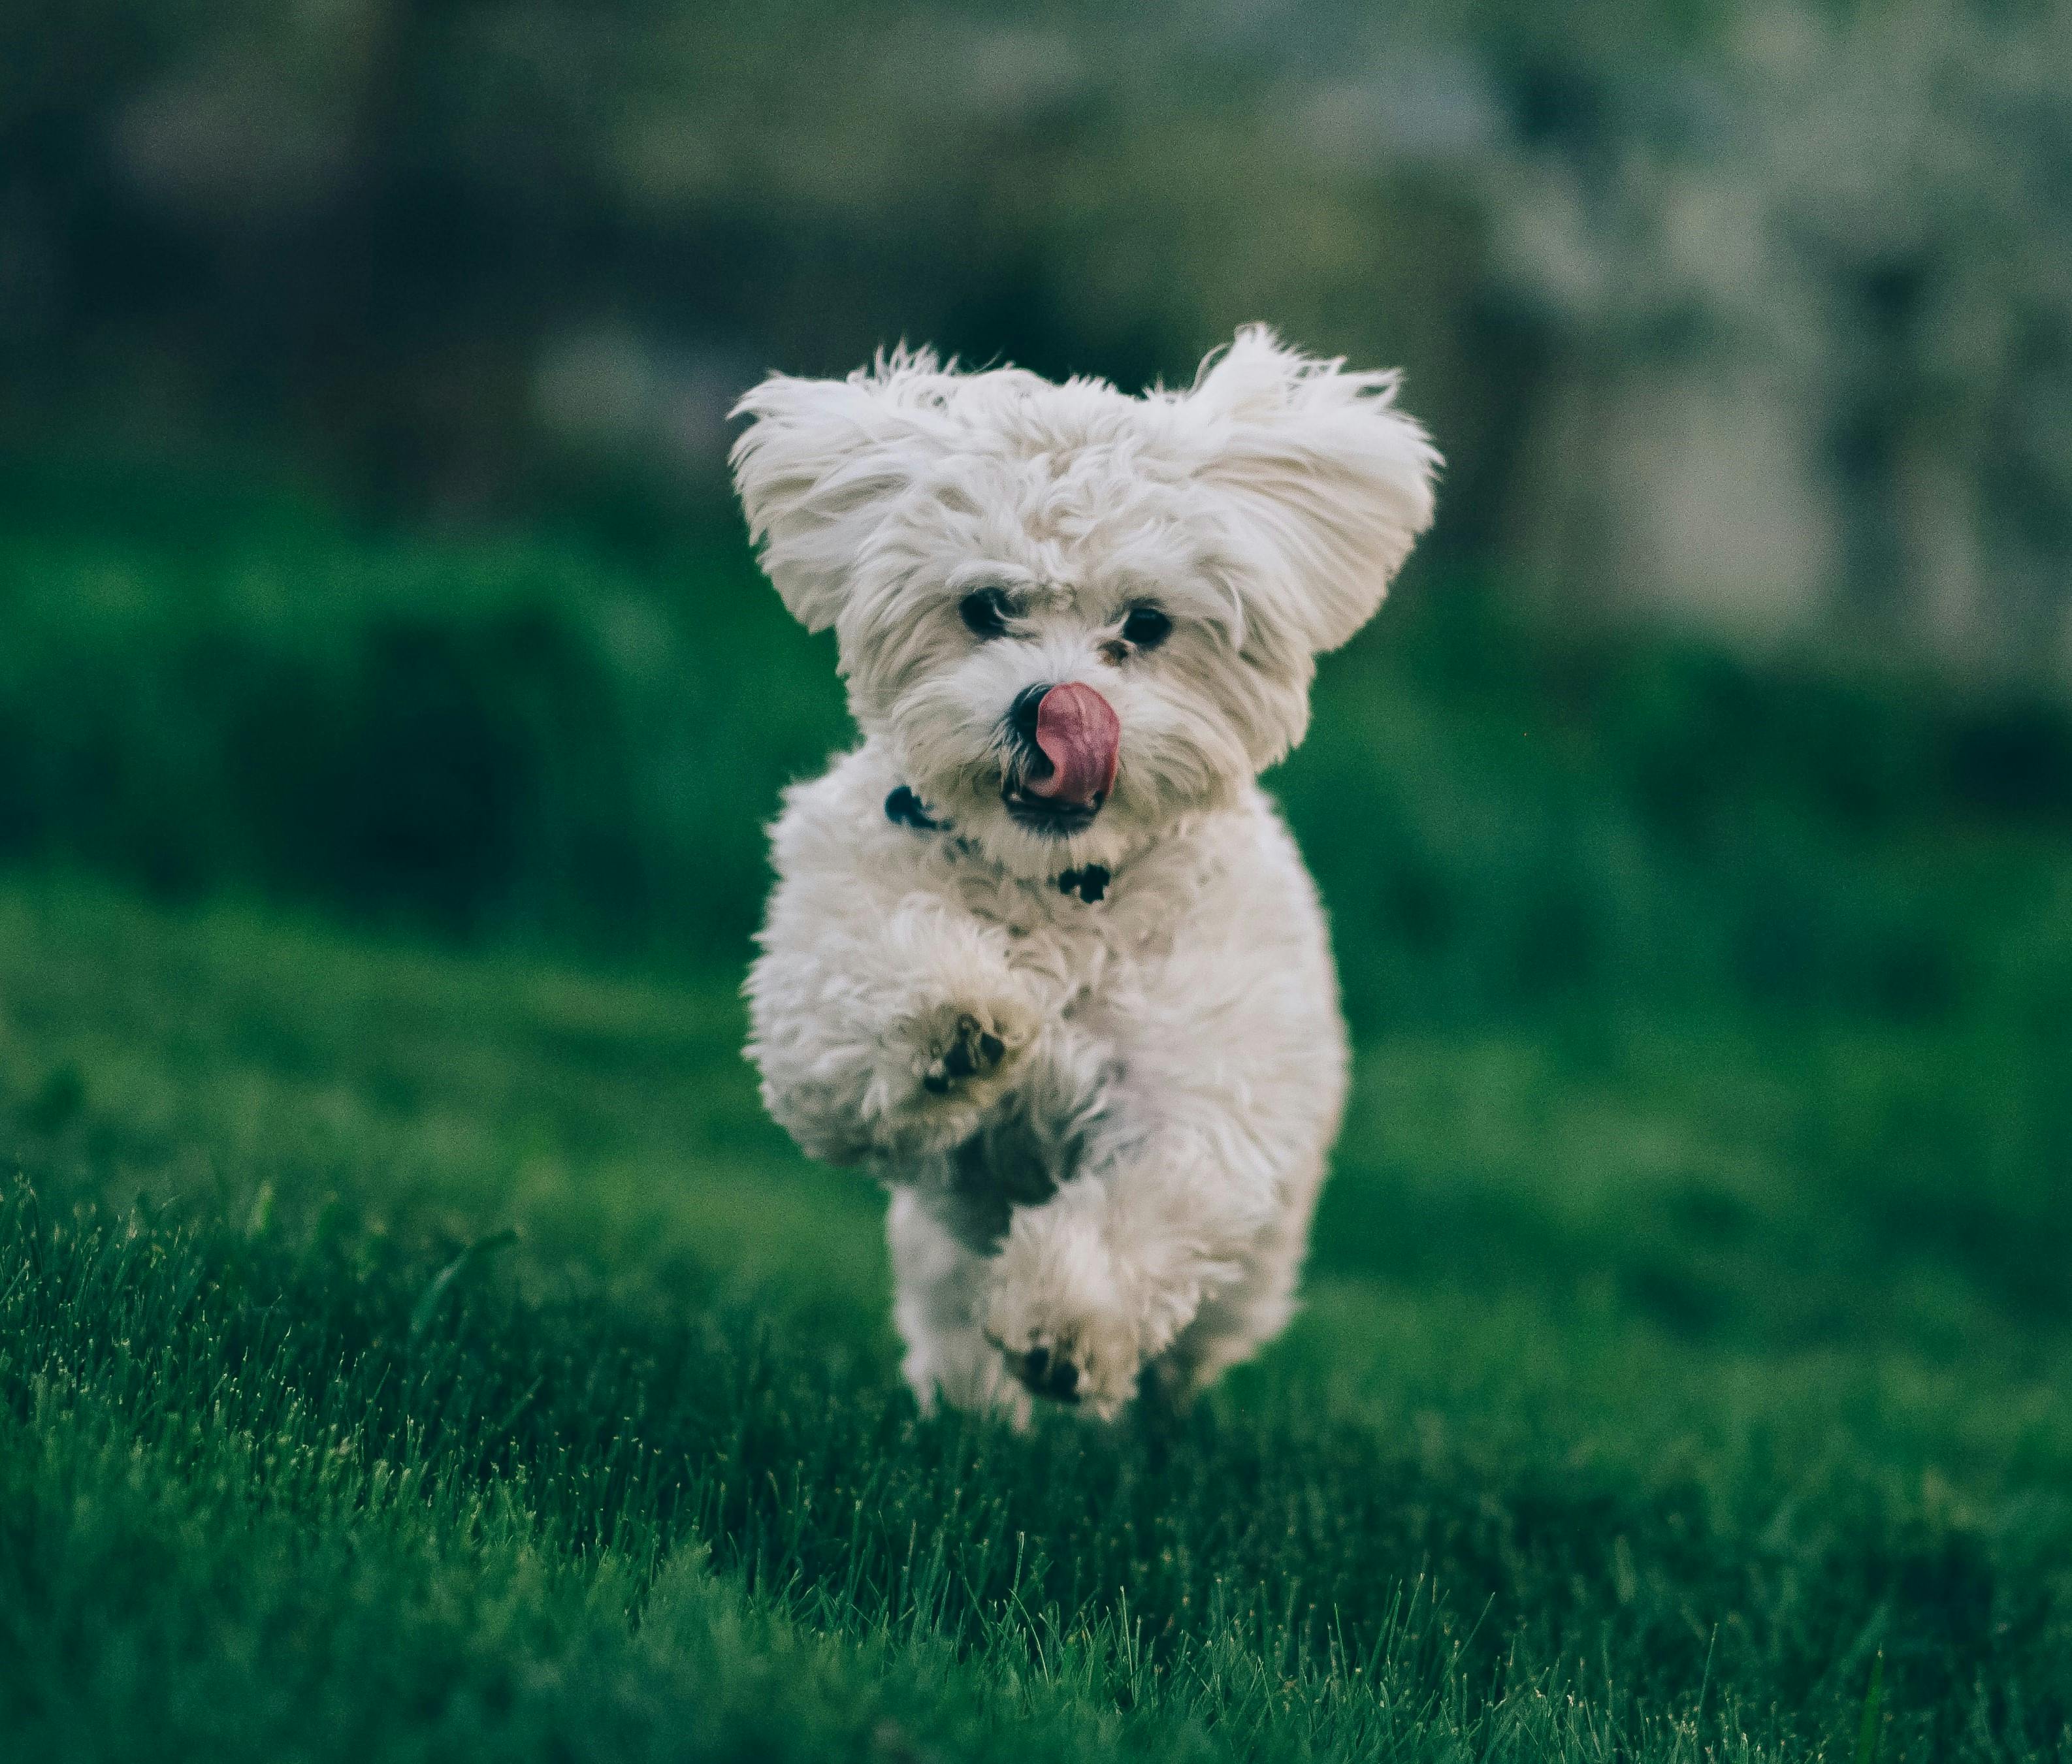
[1662, 1375]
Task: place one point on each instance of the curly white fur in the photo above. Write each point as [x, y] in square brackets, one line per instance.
[1104, 1112]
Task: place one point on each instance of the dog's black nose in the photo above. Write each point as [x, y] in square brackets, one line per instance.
[1022, 713]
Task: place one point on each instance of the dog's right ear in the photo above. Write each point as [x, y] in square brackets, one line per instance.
[822, 464]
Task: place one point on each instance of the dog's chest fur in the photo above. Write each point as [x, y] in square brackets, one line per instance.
[1090, 960]
[1085, 955]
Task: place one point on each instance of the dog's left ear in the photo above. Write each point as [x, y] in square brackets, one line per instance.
[1326, 484]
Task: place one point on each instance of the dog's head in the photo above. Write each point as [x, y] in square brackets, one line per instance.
[1076, 616]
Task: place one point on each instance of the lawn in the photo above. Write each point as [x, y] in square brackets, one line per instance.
[415, 1354]
[415, 1342]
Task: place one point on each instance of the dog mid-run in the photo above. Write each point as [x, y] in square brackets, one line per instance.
[1042, 954]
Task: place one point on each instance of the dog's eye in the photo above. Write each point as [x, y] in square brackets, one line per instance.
[1146, 628]
[984, 611]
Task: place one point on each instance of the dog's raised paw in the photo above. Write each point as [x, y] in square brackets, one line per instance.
[971, 1049]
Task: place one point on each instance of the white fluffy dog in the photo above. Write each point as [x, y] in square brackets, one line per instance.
[1042, 954]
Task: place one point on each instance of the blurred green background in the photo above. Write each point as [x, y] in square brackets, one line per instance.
[362, 432]
[390, 710]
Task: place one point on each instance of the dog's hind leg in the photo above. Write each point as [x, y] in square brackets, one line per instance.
[941, 1285]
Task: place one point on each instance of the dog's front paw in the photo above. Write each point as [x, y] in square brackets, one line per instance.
[1066, 1320]
[961, 1050]
[966, 1049]
[1089, 1360]
[941, 1068]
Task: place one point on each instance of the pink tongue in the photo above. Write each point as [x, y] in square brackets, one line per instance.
[1079, 732]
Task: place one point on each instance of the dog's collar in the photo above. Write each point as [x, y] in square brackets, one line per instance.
[903, 808]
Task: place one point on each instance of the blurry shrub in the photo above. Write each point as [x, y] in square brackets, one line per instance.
[521, 739]
[1504, 814]
[543, 737]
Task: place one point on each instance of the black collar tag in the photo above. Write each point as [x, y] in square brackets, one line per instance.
[1089, 883]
